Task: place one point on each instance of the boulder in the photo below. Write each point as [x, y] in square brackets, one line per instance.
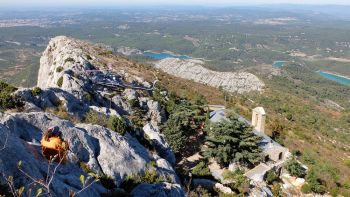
[158, 190]
[159, 142]
[104, 151]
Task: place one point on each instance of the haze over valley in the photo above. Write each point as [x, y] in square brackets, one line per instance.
[186, 99]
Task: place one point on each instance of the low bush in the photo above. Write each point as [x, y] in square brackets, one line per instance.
[239, 182]
[150, 176]
[7, 100]
[117, 124]
[69, 59]
[85, 168]
[36, 91]
[347, 162]
[113, 122]
[295, 168]
[271, 177]
[60, 111]
[201, 170]
[60, 82]
[276, 190]
[59, 69]
[306, 189]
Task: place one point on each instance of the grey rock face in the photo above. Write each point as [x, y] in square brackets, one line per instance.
[103, 150]
[52, 98]
[162, 147]
[158, 190]
[18, 135]
[63, 59]
[239, 82]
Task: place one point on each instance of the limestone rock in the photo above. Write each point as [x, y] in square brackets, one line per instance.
[158, 190]
[104, 151]
[159, 142]
[193, 70]
[64, 60]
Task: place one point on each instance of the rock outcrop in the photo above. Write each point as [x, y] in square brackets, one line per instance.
[239, 82]
[62, 59]
[158, 190]
[67, 89]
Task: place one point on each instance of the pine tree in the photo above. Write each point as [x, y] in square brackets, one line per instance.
[232, 140]
[182, 123]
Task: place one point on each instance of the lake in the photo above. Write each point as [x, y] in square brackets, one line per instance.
[339, 79]
[163, 55]
[278, 64]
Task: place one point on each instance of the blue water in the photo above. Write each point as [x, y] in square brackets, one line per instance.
[279, 64]
[163, 55]
[336, 78]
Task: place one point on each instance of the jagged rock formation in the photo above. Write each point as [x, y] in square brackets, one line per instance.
[239, 82]
[158, 190]
[66, 86]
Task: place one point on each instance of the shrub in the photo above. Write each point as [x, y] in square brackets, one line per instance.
[69, 59]
[60, 81]
[201, 170]
[88, 96]
[239, 182]
[271, 177]
[199, 191]
[315, 183]
[36, 91]
[85, 168]
[60, 112]
[295, 169]
[132, 181]
[117, 124]
[114, 123]
[306, 188]
[93, 117]
[276, 190]
[7, 100]
[347, 162]
[134, 103]
[88, 57]
[59, 69]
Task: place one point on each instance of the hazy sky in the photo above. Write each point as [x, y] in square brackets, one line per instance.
[160, 2]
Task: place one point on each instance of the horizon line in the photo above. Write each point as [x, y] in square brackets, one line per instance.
[165, 5]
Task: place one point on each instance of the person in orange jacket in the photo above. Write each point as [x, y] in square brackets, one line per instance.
[53, 145]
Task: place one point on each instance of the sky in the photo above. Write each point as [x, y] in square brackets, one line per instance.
[33, 3]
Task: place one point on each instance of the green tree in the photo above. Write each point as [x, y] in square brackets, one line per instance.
[184, 122]
[232, 140]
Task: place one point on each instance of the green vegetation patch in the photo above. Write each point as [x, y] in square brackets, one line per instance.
[7, 99]
[232, 140]
[201, 170]
[36, 91]
[112, 122]
[295, 168]
[59, 69]
[60, 81]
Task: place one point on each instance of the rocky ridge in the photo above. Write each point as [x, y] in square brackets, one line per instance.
[192, 69]
[66, 88]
